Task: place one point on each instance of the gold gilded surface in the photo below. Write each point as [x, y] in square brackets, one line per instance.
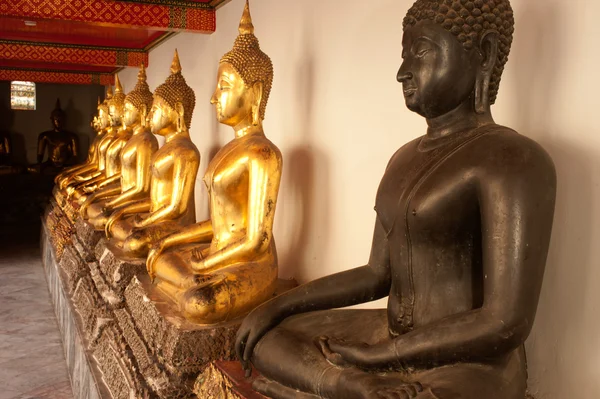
[99, 123]
[171, 204]
[109, 162]
[69, 180]
[131, 178]
[221, 268]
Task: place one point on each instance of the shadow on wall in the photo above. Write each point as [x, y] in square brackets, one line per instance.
[556, 351]
[300, 174]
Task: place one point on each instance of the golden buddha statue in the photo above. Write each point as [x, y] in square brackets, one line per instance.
[132, 182]
[171, 204]
[232, 265]
[110, 149]
[102, 124]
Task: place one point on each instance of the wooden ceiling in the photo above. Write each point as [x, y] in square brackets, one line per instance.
[87, 41]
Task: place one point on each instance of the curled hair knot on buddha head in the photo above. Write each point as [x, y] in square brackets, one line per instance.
[118, 97]
[104, 104]
[176, 90]
[468, 20]
[141, 94]
[249, 61]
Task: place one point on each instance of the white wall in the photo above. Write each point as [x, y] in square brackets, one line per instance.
[337, 114]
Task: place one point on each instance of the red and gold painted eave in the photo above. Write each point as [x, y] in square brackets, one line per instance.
[87, 41]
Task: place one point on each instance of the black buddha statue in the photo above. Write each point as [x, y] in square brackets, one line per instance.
[464, 216]
[60, 145]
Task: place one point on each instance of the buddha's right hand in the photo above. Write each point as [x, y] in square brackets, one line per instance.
[111, 220]
[259, 322]
[155, 251]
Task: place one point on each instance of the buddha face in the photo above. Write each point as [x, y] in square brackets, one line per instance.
[163, 118]
[131, 115]
[116, 113]
[57, 122]
[232, 99]
[437, 74]
[103, 119]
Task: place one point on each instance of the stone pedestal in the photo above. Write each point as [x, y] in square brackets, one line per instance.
[85, 376]
[225, 380]
[133, 341]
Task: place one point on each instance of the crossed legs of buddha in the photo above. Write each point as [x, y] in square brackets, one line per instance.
[221, 295]
[291, 361]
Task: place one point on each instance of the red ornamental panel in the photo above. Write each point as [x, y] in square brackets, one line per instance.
[115, 13]
[104, 79]
[71, 55]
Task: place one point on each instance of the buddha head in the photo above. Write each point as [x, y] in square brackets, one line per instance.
[95, 123]
[173, 104]
[138, 102]
[57, 116]
[116, 105]
[103, 115]
[244, 79]
[454, 51]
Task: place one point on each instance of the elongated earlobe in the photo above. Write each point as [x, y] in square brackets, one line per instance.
[144, 115]
[482, 93]
[258, 90]
[181, 119]
[489, 53]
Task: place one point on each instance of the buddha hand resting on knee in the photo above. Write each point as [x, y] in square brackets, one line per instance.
[222, 268]
[463, 222]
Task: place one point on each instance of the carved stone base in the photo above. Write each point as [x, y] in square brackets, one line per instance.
[135, 340]
[86, 379]
[225, 380]
[87, 239]
[179, 348]
[116, 271]
[95, 314]
[73, 267]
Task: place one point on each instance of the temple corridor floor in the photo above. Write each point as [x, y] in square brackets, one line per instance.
[32, 364]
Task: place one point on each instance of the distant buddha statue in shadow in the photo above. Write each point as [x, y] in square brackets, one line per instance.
[59, 145]
[5, 149]
[464, 216]
[99, 124]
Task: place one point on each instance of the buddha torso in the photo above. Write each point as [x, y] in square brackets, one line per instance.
[113, 152]
[103, 146]
[129, 157]
[227, 181]
[163, 175]
[60, 146]
[428, 205]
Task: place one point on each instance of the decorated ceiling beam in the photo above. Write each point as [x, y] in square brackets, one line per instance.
[104, 79]
[194, 16]
[72, 54]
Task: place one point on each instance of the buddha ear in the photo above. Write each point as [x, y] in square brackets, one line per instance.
[180, 120]
[257, 88]
[143, 115]
[488, 46]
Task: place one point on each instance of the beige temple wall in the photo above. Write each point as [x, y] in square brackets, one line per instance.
[338, 115]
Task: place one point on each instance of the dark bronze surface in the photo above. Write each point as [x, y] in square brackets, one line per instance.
[60, 145]
[464, 216]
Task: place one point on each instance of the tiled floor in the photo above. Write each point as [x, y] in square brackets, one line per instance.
[31, 355]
